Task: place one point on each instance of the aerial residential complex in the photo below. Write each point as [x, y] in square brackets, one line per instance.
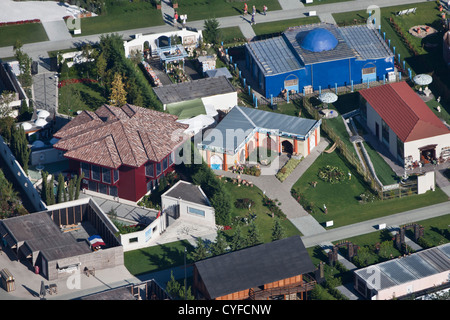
[234, 151]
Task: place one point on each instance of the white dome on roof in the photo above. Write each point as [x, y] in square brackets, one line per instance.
[26, 126]
[40, 122]
[43, 114]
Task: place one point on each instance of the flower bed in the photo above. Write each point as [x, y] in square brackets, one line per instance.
[72, 81]
[331, 174]
[287, 169]
[12, 23]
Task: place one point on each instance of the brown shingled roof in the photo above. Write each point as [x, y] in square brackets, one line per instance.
[112, 136]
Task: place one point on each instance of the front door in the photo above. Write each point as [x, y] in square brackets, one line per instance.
[377, 130]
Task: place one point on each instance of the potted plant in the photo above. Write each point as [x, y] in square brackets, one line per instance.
[175, 4]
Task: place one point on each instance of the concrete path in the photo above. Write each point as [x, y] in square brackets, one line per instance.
[56, 30]
[290, 4]
[247, 29]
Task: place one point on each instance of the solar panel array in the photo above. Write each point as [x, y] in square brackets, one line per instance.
[274, 56]
[367, 42]
[407, 269]
[296, 35]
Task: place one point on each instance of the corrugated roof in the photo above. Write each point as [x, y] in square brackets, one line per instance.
[367, 42]
[254, 266]
[113, 136]
[407, 269]
[194, 89]
[241, 122]
[404, 111]
[273, 56]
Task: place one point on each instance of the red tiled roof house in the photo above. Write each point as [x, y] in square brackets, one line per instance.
[121, 151]
[399, 118]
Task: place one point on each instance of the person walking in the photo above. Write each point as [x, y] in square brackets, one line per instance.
[264, 9]
[254, 10]
[245, 9]
[175, 19]
[253, 19]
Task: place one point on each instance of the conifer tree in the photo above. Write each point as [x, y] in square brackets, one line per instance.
[118, 96]
[60, 190]
[278, 232]
[253, 235]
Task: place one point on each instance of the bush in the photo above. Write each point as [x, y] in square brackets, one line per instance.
[244, 203]
[331, 174]
[287, 169]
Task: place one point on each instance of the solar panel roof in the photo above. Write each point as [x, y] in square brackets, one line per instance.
[274, 56]
[367, 42]
[295, 36]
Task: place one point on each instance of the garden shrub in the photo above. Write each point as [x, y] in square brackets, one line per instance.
[244, 203]
[331, 174]
[287, 169]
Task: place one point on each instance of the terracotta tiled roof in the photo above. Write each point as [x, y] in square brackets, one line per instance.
[114, 136]
[404, 111]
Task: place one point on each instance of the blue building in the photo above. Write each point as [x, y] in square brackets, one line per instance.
[318, 56]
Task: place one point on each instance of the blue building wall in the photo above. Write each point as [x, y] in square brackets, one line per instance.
[321, 75]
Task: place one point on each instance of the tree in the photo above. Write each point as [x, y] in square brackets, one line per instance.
[19, 146]
[6, 98]
[101, 67]
[200, 251]
[221, 201]
[237, 240]
[118, 96]
[176, 291]
[60, 190]
[220, 245]
[211, 31]
[6, 127]
[44, 188]
[253, 235]
[78, 185]
[278, 232]
[71, 189]
[25, 113]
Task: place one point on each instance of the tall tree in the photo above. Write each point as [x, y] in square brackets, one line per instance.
[44, 188]
[278, 232]
[71, 189]
[6, 98]
[200, 251]
[19, 147]
[220, 245]
[211, 31]
[60, 190]
[101, 67]
[253, 235]
[118, 96]
[78, 185]
[238, 241]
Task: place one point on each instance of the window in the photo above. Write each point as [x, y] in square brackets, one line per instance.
[369, 70]
[106, 175]
[149, 170]
[113, 191]
[86, 169]
[102, 188]
[95, 172]
[158, 168]
[165, 161]
[92, 185]
[171, 159]
[196, 211]
[132, 240]
[150, 185]
[385, 132]
[116, 176]
[399, 148]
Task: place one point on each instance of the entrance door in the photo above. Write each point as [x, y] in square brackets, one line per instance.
[216, 162]
[377, 130]
[287, 147]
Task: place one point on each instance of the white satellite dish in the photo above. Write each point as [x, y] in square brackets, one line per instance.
[40, 122]
[27, 126]
[43, 114]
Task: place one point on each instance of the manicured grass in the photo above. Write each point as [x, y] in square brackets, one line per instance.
[122, 15]
[207, 9]
[434, 230]
[157, 258]
[264, 220]
[269, 28]
[444, 115]
[342, 199]
[26, 33]
[79, 96]
[231, 35]
[384, 172]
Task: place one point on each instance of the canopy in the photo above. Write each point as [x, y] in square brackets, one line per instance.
[423, 79]
[43, 114]
[40, 122]
[27, 126]
[328, 97]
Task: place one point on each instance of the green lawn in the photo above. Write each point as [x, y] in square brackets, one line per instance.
[342, 199]
[264, 220]
[384, 172]
[206, 9]
[444, 114]
[26, 33]
[232, 35]
[269, 28]
[122, 15]
[157, 258]
[79, 96]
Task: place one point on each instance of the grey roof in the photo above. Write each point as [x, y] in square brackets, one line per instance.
[366, 42]
[254, 266]
[40, 233]
[122, 293]
[295, 36]
[273, 56]
[241, 122]
[191, 90]
[219, 72]
[188, 192]
[406, 269]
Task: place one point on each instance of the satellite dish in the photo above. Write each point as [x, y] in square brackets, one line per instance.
[43, 114]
